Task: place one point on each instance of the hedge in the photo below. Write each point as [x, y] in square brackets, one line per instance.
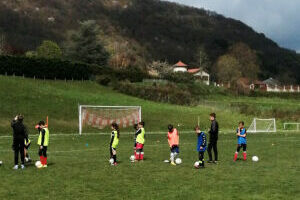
[46, 68]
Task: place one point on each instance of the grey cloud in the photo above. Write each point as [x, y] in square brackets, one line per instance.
[277, 19]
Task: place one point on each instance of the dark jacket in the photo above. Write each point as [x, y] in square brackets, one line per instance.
[19, 130]
[214, 131]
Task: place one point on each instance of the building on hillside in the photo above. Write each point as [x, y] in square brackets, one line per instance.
[252, 85]
[197, 72]
[200, 75]
[180, 67]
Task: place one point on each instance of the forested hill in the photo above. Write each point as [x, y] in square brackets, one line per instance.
[146, 29]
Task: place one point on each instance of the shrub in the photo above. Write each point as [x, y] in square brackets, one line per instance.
[46, 68]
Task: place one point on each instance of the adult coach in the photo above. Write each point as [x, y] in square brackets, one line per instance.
[213, 138]
[19, 134]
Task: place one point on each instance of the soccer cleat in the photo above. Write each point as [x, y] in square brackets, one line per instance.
[26, 159]
[45, 166]
[16, 167]
[173, 163]
[215, 162]
[22, 167]
[210, 161]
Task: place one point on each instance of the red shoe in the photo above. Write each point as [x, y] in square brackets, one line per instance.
[245, 156]
[235, 157]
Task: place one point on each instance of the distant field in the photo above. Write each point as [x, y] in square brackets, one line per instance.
[37, 99]
[80, 171]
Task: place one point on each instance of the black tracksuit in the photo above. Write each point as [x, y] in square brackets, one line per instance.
[213, 139]
[19, 134]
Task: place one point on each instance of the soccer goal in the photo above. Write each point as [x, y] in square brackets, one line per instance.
[292, 126]
[262, 125]
[93, 117]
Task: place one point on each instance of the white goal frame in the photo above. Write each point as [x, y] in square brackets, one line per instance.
[292, 123]
[94, 106]
[254, 122]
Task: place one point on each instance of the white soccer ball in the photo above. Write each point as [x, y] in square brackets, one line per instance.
[197, 164]
[132, 157]
[178, 161]
[255, 158]
[1, 162]
[38, 164]
[111, 161]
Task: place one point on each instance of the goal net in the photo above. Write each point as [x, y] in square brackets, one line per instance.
[262, 125]
[93, 117]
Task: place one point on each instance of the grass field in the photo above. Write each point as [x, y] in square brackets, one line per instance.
[78, 171]
[79, 168]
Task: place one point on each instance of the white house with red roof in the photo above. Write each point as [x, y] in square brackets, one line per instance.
[197, 72]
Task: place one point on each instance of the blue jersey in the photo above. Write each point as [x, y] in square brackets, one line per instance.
[242, 140]
[201, 142]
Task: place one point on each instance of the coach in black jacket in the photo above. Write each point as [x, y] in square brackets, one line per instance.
[19, 135]
[213, 138]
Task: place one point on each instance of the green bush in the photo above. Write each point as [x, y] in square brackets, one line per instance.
[46, 68]
[179, 77]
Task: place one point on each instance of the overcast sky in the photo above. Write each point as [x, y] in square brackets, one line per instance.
[277, 19]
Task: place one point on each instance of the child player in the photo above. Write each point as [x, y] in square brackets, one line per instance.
[114, 141]
[242, 141]
[173, 140]
[43, 142]
[135, 126]
[201, 145]
[27, 144]
[140, 141]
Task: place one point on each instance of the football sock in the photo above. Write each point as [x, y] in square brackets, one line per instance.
[142, 156]
[235, 156]
[245, 155]
[137, 155]
[42, 159]
[172, 157]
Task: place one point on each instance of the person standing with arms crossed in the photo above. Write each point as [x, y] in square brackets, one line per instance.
[213, 138]
[19, 134]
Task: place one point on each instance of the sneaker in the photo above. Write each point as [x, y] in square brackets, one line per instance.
[26, 159]
[22, 167]
[173, 163]
[45, 166]
[216, 162]
[16, 167]
[210, 161]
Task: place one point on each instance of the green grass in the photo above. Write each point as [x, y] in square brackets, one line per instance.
[76, 171]
[59, 100]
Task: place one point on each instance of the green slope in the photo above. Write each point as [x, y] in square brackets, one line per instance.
[59, 100]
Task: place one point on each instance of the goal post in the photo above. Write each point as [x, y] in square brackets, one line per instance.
[262, 126]
[293, 126]
[92, 117]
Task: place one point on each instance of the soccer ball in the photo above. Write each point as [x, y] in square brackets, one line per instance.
[255, 158]
[132, 157]
[38, 164]
[178, 161]
[197, 164]
[111, 161]
[1, 162]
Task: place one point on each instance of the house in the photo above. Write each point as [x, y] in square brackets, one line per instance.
[200, 75]
[197, 72]
[180, 67]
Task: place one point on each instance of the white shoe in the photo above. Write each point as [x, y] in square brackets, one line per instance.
[22, 167]
[26, 159]
[16, 167]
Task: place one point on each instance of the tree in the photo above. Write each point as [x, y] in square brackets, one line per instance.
[85, 46]
[49, 49]
[228, 70]
[247, 59]
[161, 68]
[2, 44]
[203, 59]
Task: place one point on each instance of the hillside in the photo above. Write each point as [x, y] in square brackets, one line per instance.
[145, 29]
[59, 100]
